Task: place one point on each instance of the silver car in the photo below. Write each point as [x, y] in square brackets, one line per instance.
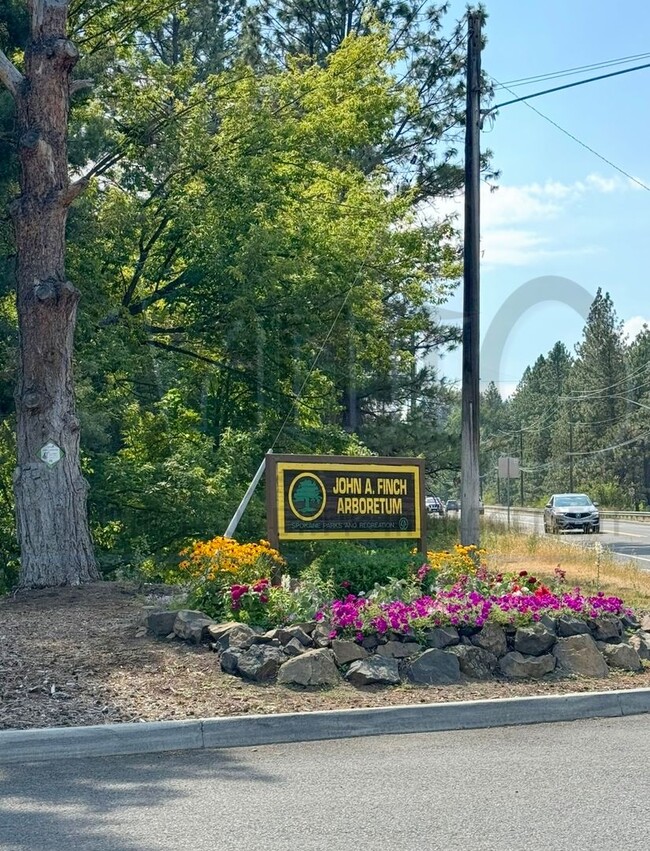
[571, 511]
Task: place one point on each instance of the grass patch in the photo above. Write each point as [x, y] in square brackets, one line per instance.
[584, 566]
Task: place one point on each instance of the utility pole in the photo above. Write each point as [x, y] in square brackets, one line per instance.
[469, 452]
[521, 469]
[570, 448]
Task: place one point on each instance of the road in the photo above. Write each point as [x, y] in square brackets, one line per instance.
[628, 539]
[583, 785]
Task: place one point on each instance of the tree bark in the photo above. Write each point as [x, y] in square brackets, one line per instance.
[51, 499]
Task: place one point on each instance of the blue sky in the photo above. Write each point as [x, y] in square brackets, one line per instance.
[559, 210]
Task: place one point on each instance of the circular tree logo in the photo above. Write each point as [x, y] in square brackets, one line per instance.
[307, 496]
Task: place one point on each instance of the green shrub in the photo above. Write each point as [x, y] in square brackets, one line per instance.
[355, 569]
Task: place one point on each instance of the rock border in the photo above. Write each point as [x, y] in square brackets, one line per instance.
[312, 654]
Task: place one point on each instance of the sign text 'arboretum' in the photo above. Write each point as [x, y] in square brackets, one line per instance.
[310, 497]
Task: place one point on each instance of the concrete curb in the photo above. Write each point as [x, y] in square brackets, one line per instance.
[249, 730]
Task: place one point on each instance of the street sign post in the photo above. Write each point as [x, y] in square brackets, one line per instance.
[508, 469]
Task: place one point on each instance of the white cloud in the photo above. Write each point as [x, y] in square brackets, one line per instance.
[504, 210]
[633, 326]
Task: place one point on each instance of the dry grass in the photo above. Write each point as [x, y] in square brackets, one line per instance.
[584, 566]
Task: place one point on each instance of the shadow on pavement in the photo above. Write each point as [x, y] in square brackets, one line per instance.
[86, 804]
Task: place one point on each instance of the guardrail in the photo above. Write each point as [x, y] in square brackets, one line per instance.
[641, 516]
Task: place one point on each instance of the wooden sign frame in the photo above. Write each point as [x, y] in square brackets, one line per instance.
[276, 465]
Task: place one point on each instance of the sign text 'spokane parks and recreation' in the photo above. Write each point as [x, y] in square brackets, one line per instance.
[343, 497]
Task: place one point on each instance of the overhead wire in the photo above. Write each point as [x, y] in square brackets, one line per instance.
[569, 72]
[576, 139]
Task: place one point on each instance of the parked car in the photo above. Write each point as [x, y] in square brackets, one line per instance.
[452, 505]
[434, 506]
[571, 511]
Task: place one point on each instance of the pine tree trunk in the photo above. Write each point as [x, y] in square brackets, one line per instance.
[51, 505]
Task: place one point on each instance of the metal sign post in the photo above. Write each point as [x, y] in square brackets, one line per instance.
[508, 469]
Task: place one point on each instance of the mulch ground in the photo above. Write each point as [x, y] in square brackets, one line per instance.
[75, 656]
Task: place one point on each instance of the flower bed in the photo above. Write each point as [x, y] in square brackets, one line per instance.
[446, 619]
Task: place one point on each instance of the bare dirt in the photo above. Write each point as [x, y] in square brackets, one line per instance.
[71, 657]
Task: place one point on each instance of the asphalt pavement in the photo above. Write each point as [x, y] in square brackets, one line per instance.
[581, 785]
[627, 539]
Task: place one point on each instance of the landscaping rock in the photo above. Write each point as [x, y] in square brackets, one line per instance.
[373, 670]
[236, 635]
[475, 662]
[630, 621]
[321, 635]
[550, 623]
[441, 636]
[435, 667]
[622, 656]
[190, 625]
[311, 668]
[347, 651]
[260, 663]
[645, 623]
[230, 661]
[515, 664]
[286, 634]
[398, 650]
[578, 654]
[294, 647]
[161, 623]
[607, 629]
[641, 643]
[307, 626]
[567, 625]
[370, 642]
[534, 640]
[492, 638]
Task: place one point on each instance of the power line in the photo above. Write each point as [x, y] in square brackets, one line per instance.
[568, 72]
[575, 138]
[565, 86]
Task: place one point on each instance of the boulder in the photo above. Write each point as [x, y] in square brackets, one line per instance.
[370, 642]
[287, 633]
[607, 628]
[550, 623]
[293, 647]
[229, 660]
[644, 623]
[578, 654]
[493, 638]
[640, 641]
[260, 663]
[399, 649]
[622, 656]
[515, 664]
[630, 621]
[347, 651]
[534, 640]
[233, 634]
[441, 636]
[307, 626]
[373, 670]
[568, 625]
[321, 635]
[216, 631]
[475, 662]
[190, 625]
[311, 668]
[435, 667]
[161, 623]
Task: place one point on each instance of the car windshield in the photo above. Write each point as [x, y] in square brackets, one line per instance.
[572, 499]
